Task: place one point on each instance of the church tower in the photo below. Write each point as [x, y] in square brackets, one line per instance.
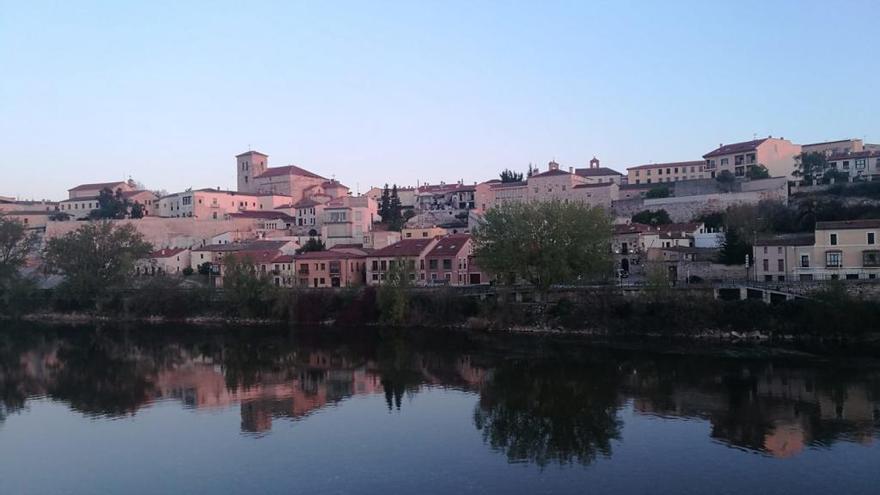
[248, 166]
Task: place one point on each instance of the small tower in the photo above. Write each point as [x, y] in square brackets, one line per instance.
[249, 165]
[553, 165]
[594, 163]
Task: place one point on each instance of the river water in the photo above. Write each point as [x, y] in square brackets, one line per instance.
[259, 410]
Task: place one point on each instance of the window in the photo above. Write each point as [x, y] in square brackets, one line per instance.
[860, 164]
[768, 278]
[766, 265]
[871, 238]
[447, 264]
[779, 250]
[384, 265]
[738, 160]
[871, 258]
[852, 276]
[724, 161]
[805, 261]
[832, 239]
[432, 264]
[805, 277]
[833, 259]
[780, 265]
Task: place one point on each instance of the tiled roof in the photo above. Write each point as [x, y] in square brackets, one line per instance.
[679, 227]
[333, 183]
[596, 172]
[268, 215]
[498, 185]
[406, 247]
[244, 246]
[868, 223]
[254, 256]
[449, 245]
[251, 153]
[807, 239]
[289, 170]
[166, 253]
[305, 203]
[591, 185]
[693, 163]
[97, 185]
[328, 255]
[549, 173]
[284, 258]
[128, 194]
[851, 156]
[827, 142]
[735, 148]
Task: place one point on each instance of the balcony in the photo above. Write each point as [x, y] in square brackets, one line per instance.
[303, 271]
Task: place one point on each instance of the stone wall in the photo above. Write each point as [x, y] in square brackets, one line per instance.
[167, 232]
[685, 208]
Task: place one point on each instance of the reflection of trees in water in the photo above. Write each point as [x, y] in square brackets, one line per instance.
[397, 368]
[545, 412]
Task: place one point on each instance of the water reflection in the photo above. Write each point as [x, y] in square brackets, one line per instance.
[537, 407]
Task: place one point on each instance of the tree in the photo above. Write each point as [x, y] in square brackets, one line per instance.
[652, 217]
[658, 192]
[725, 180]
[712, 220]
[111, 206]
[95, 259]
[758, 171]
[835, 176]
[384, 204]
[735, 249]
[15, 245]
[137, 211]
[311, 245]
[59, 216]
[508, 175]
[245, 290]
[393, 296]
[544, 243]
[811, 167]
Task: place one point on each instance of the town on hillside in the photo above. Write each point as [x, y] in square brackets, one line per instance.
[764, 211]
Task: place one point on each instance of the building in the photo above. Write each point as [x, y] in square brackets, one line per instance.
[598, 174]
[406, 195]
[256, 177]
[348, 220]
[842, 250]
[11, 204]
[407, 255]
[423, 232]
[331, 268]
[170, 261]
[655, 173]
[216, 204]
[447, 262]
[94, 189]
[858, 165]
[454, 197]
[840, 147]
[213, 254]
[776, 154]
[81, 206]
[553, 184]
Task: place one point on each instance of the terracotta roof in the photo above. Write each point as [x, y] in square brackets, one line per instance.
[254, 256]
[251, 153]
[509, 184]
[284, 258]
[268, 215]
[807, 239]
[166, 253]
[735, 148]
[244, 246]
[305, 203]
[213, 190]
[598, 184]
[333, 183]
[348, 246]
[549, 173]
[289, 170]
[692, 163]
[595, 172]
[328, 255]
[406, 247]
[97, 185]
[868, 223]
[449, 245]
[128, 194]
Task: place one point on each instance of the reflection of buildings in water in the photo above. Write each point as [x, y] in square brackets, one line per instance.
[777, 411]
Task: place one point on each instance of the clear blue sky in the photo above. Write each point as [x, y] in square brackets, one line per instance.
[371, 92]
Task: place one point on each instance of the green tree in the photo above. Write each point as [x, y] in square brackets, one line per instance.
[311, 245]
[137, 211]
[385, 204]
[758, 171]
[395, 210]
[734, 249]
[658, 192]
[111, 206]
[725, 180]
[95, 259]
[15, 245]
[544, 243]
[811, 167]
[393, 296]
[508, 175]
[246, 291]
[652, 217]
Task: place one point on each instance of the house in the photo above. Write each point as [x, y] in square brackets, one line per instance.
[94, 189]
[216, 204]
[170, 261]
[331, 268]
[841, 250]
[839, 147]
[423, 232]
[266, 220]
[347, 220]
[598, 174]
[858, 166]
[81, 206]
[656, 173]
[776, 154]
[213, 254]
[447, 262]
[407, 255]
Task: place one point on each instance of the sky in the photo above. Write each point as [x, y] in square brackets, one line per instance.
[168, 92]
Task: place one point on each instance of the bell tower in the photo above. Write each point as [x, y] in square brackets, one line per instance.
[249, 165]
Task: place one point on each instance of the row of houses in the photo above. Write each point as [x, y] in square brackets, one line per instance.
[446, 260]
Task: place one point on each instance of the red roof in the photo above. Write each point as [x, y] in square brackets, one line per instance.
[406, 247]
[166, 253]
[97, 185]
[289, 170]
[549, 173]
[266, 256]
[869, 223]
[328, 255]
[305, 203]
[596, 172]
[735, 148]
[284, 258]
[598, 184]
[854, 155]
[449, 245]
[670, 164]
[251, 153]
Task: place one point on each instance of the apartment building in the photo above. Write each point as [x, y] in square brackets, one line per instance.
[408, 255]
[447, 262]
[842, 250]
[778, 155]
[347, 220]
[839, 147]
[656, 173]
[331, 268]
[216, 204]
[858, 165]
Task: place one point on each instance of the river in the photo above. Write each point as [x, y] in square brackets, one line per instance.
[157, 409]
